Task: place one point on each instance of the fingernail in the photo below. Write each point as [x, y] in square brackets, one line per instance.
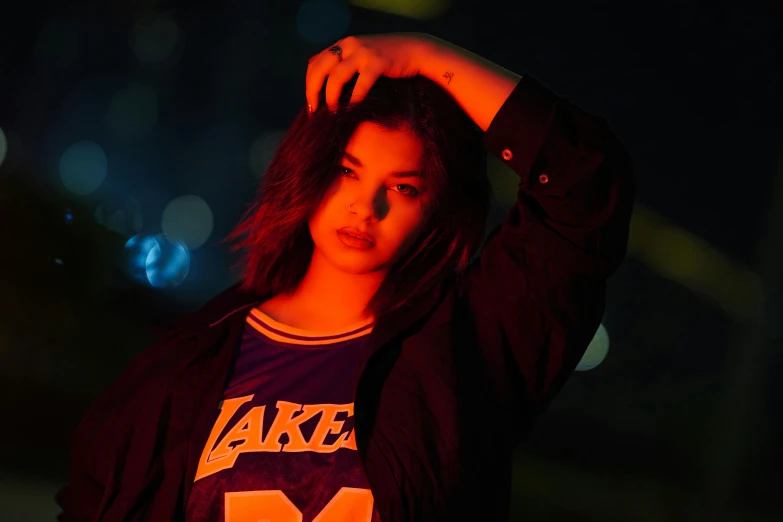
[309, 109]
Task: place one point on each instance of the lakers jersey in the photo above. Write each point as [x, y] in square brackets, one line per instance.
[282, 448]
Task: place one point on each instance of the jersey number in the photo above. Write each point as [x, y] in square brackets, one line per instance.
[348, 505]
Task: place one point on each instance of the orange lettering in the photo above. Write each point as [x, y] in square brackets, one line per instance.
[228, 410]
[285, 422]
[327, 425]
[260, 506]
[245, 436]
[348, 505]
[350, 442]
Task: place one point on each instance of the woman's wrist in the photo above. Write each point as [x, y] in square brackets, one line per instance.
[479, 86]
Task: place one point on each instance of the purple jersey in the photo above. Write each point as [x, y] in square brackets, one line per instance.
[282, 448]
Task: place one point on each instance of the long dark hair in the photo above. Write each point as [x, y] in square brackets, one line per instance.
[274, 235]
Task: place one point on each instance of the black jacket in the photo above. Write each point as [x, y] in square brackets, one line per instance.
[447, 386]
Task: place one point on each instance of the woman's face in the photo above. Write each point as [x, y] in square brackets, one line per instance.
[377, 178]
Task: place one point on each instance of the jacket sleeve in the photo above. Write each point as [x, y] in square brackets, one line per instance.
[536, 291]
[102, 432]
[90, 461]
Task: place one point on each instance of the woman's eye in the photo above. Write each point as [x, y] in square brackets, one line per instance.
[408, 191]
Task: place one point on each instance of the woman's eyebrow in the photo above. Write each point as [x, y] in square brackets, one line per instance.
[401, 174]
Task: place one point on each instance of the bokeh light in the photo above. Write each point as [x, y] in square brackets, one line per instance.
[3, 146]
[187, 219]
[121, 214]
[137, 250]
[134, 110]
[168, 263]
[155, 40]
[263, 150]
[157, 261]
[323, 21]
[680, 255]
[415, 9]
[596, 350]
[83, 167]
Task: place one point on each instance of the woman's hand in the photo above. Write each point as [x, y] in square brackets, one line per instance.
[372, 56]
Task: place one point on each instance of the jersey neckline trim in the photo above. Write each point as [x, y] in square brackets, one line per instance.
[288, 334]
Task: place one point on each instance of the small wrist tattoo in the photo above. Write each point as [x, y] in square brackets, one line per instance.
[448, 75]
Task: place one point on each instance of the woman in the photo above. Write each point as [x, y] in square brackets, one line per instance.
[366, 369]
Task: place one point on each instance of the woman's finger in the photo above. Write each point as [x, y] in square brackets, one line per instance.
[338, 77]
[317, 70]
[367, 78]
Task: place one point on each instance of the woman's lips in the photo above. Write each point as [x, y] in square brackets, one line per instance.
[357, 233]
[354, 242]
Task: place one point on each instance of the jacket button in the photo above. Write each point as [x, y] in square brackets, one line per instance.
[507, 154]
[543, 178]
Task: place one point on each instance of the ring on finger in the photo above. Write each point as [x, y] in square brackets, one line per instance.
[337, 51]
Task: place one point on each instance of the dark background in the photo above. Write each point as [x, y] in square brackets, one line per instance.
[680, 422]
